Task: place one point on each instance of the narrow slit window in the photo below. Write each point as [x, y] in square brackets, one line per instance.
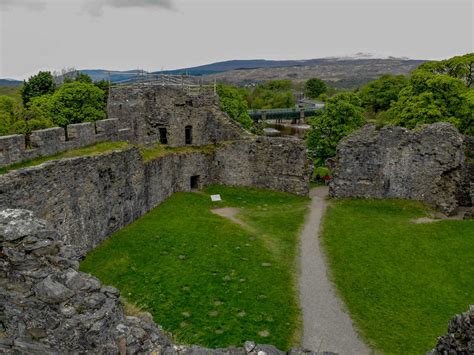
[163, 135]
[188, 133]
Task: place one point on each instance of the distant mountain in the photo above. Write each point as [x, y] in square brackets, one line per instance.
[114, 76]
[10, 82]
[220, 67]
[342, 72]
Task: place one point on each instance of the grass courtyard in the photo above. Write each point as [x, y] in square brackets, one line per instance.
[402, 282]
[206, 279]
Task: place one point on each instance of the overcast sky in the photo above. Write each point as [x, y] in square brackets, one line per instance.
[168, 34]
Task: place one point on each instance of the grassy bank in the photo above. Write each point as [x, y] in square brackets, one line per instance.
[204, 278]
[402, 282]
[94, 149]
[158, 150]
[86, 151]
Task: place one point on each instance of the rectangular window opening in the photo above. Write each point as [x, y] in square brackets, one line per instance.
[188, 130]
[163, 135]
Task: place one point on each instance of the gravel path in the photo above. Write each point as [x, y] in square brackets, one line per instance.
[326, 327]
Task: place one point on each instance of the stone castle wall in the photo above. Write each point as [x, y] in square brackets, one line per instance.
[427, 165]
[46, 304]
[272, 163]
[88, 198]
[51, 141]
[146, 109]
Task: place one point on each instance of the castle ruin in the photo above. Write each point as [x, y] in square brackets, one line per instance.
[47, 305]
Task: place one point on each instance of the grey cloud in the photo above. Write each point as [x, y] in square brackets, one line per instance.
[36, 5]
[96, 7]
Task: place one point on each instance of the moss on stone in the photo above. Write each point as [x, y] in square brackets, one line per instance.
[94, 149]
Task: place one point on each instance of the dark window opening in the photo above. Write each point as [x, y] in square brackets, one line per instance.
[120, 106]
[195, 182]
[163, 136]
[188, 130]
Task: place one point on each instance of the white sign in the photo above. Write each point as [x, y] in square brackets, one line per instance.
[215, 198]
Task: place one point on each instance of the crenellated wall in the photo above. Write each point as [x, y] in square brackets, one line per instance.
[55, 140]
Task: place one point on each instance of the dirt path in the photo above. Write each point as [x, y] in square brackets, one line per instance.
[230, 213]
[326, 327]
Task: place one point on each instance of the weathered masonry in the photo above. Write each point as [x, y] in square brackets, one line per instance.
[88, 198]
[171, 116]
[430, 164]
[46, 304]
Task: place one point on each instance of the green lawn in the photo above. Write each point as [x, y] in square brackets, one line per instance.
[206, 279]
[93, 149]
[158, 150]
[402, 282]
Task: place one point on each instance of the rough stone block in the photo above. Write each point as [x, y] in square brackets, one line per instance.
[425, 165]
[11, 149]
[48, 141]
[108, 128]
[81, 133]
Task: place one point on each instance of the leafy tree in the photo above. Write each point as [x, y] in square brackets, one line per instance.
[104, 86]
[432, 98]
[78, 102]
[83, 78]
[8, 115]
[467, 125]
[232, 101]
[37, 85]
[461, 67]
[314, 87]
[379, 94]
[276, 85]
[14, 120]
[272, 94]
[74, 102]
[342, 114]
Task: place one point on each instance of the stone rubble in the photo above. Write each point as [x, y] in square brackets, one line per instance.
[460, 337]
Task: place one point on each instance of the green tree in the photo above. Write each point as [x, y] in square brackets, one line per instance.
[15, 120]
[461, 67]
[78, 102]
[379, 94]
[83, 78]
[433, 98]
[342, 114]
[37, 85]
[74, 102]
[8, 115]
[232, 101]
[104, 86]
[272, 94]
[314, 87]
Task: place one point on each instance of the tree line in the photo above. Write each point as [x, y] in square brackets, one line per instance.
[435, 92]
[44, 103]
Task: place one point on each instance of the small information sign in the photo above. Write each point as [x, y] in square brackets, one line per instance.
[215, 198]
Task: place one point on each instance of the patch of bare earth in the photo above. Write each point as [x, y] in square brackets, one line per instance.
[436, 217]
[230, 213]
